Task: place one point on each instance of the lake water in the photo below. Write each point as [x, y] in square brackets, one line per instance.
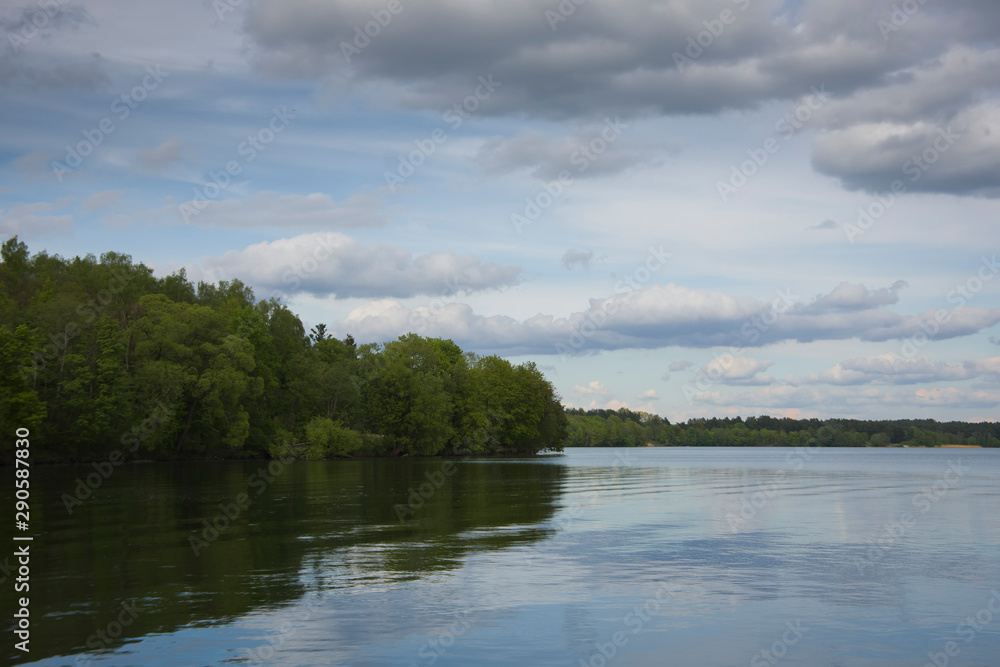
[656, 556]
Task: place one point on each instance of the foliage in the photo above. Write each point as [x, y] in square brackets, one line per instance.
[98, 354]
[625, 428]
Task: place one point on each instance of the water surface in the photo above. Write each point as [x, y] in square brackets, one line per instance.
[654, 556]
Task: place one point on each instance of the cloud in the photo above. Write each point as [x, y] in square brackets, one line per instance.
[591, 151]
[35, 166]
[960, 155]
[889, 369]
[826, 224]
[680, 366]
[79, 73]
[167, 154]
[101, 200]
[332, 264]
[650, 394]
[728, 369]
[593, 388]
[29, 221]
[839, 400]
[573, 258]
[661, 316]
[312, 211]
[890, 93]
[847, 297]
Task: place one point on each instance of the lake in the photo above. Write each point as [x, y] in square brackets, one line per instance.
[653, 556]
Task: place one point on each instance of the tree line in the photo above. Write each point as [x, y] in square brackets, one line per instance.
[625, 428]
[99, 353]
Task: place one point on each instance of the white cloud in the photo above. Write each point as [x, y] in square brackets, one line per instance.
[329, 263]
[728, 369]
[593, 388]
[672, 315]
[891, 369]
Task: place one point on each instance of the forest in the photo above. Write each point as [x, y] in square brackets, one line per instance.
[98, 354]
[625, 428]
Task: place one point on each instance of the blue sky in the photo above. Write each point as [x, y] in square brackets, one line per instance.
[692, 208]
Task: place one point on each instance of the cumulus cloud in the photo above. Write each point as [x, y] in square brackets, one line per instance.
[593, 388]
[672, 315]
[650, 394]
[847, 297]
[890, 369]
[728, 369]
[328, 263]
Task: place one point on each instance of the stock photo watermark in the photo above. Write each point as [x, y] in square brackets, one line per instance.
[779, 649]
[923, 501]
[230, 512]
[85, 487]
[248, 149]
[786, 127]
[581, 158]
[425, 491]
[703, 40]
[959, 297]
[966, 631]
[121, 107]
[364, 34]
[900, 16]
[457, 114]
[33, 23]
[915, 167]
[595, 319]
[751, 331]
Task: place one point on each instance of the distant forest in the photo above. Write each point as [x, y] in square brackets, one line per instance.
[625, 428]
[100, 356]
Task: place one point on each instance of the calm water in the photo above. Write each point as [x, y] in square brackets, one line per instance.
[685, 557]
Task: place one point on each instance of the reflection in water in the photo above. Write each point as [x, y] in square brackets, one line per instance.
[315, 526]
[658, 556]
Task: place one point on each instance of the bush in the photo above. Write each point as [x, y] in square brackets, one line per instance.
[328, 439]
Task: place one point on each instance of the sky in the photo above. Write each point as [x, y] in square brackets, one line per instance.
[692, 208]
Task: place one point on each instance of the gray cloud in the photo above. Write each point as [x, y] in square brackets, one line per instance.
[546, 157]
[892, 89]
[848, 297]
[573, 258]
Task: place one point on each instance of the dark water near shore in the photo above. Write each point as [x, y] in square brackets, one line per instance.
[706, 556]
